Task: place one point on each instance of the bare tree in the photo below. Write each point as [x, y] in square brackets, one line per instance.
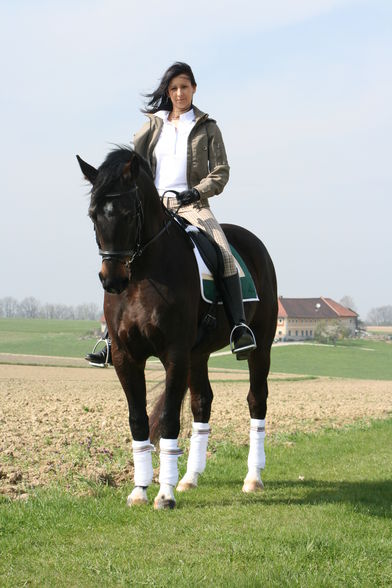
[48, 311]
[29, 308]
[381, 316]
[9, 307]
[87, 311]
[348, 302]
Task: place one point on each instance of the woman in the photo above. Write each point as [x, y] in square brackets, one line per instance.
[185, 150]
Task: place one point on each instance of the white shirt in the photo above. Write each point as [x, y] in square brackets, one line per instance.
[171, 152]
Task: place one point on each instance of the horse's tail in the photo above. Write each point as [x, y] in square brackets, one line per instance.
[154, 419]
[155, 416]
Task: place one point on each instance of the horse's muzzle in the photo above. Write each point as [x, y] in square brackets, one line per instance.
[114, 277]
[114, 286]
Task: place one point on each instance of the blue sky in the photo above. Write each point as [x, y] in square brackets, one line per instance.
[302, 91]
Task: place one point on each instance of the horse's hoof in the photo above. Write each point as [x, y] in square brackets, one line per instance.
[161, 503]
[185, 486]
[137, 497]
[188, 482]
[252, 486]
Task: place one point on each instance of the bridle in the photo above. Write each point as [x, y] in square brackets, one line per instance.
[128, 256]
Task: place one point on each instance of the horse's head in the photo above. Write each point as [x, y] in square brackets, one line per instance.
[116, 209]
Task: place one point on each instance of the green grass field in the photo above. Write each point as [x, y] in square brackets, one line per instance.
[323, 520]
[349, 359]
[362, 359]
[59, 338]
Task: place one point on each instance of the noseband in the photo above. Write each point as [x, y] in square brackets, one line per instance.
[127, 256]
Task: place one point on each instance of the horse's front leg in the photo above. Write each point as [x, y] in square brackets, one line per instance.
[176, 384]
[131, 376]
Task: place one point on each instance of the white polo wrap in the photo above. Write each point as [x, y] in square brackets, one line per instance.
[169, 454]
[198, 448]
[142, 462]
[256, 457]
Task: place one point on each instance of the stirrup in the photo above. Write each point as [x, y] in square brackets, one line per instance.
[101, 365]
[243, 351]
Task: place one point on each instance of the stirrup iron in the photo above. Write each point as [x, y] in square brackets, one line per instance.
[106, 364]
[243, 351]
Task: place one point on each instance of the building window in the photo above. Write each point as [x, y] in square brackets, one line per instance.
[296, 333]
[289, 333]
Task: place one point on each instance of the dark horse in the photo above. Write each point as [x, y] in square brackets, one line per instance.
[153, 307]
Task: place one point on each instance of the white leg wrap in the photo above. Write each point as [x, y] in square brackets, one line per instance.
[197, 456]
[256, 457]
[142, 462]
[169, 454]
[198, 448]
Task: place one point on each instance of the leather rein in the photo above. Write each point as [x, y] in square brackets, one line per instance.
[128, 256]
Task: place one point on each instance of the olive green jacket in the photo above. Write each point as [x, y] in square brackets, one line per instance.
[207, 166]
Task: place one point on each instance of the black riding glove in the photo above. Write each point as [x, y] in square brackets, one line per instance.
[188, 196]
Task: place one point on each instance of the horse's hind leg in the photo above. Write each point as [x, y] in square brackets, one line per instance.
[201, 399]
[259, 363]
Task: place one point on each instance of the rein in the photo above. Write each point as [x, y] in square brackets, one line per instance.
[128, 256]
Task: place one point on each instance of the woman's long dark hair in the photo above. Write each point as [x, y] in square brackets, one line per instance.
[159, 99]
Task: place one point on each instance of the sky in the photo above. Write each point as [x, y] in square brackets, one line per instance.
[301, 90]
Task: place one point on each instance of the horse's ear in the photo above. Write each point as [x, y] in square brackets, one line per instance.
[131, 168]
[89, 172]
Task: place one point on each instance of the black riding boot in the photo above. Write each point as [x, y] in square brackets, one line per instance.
[242, 339]
[103, 357]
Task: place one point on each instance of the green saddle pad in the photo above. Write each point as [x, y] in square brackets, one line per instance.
[249, 293]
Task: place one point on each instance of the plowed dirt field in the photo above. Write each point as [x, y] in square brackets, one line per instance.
[69, 426]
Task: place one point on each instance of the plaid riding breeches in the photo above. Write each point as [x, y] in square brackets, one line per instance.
[203, 218]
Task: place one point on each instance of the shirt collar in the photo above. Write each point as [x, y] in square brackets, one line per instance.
[188, 116]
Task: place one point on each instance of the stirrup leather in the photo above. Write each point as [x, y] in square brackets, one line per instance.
[101, 365]
[243, 348]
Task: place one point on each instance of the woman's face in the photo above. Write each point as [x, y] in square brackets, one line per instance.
[181, 92]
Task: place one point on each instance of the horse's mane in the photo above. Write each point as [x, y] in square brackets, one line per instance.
[111, 170]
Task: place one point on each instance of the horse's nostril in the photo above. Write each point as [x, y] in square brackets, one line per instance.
[114, 286]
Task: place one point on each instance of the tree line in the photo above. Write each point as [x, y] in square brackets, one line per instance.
[380, 317]
[30, 307]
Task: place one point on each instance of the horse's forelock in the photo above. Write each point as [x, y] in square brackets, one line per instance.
[112, 170]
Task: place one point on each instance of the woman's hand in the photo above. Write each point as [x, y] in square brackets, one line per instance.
[188, 196]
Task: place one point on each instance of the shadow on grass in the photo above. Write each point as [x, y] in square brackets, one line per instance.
[371, 498]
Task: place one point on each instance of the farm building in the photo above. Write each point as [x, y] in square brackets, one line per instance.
[299, 317]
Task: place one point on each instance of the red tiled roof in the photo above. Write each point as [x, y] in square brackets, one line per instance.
[321, 308]
[340, 310]
[281, 310]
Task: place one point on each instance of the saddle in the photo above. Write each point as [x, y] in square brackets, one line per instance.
[210, 266]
